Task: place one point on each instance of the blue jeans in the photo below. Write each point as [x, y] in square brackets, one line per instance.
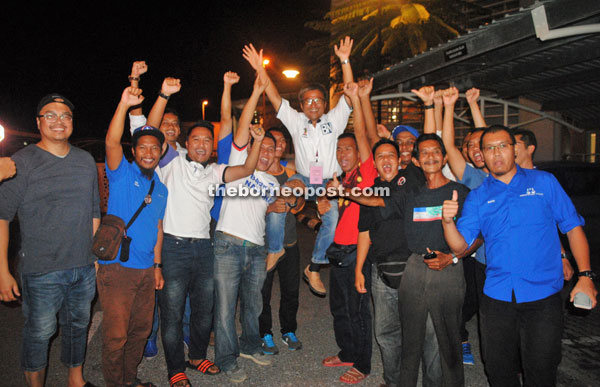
[275, 229]
[388, 334]
[68, 293]
[186, 319]
[239, 269]
[187, 268]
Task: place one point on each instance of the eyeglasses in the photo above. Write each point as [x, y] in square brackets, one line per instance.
[52, 117]
[405, 142]
[501, 147]
[310, 101]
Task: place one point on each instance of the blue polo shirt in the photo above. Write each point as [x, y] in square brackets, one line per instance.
[518, 223]
[472, 178]
[127, 189]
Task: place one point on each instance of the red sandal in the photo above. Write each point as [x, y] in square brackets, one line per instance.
[179, 377]
[353, 376]
[204, 366]
[334, 361]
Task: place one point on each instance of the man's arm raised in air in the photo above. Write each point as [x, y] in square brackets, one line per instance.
[364, 150]
[365, 86]
[472, 96]
[255, 58]
[426, 94]
[343, 53]
[243, 133]
[229, 79]
[455, 158]
[114, 151]
[169, 87]
[137, 69]
[239, 171]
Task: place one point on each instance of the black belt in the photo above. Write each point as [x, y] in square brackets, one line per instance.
[191, 240]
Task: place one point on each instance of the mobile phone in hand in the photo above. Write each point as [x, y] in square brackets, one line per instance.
[582, 301]
[430, 255]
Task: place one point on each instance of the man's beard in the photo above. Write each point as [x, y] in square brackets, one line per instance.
[149, 173]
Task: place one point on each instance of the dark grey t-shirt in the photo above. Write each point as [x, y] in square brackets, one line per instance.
[55, 199]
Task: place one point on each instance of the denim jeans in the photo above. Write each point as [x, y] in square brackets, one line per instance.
[388, 334]
[186, 319]
[68, 293]
[187, 268]
[275, 229]
[240, 268]
[352, 321]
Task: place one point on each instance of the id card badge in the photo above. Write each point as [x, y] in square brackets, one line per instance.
[316, 173]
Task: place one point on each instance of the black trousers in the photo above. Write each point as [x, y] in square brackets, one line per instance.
[529, 332]
[288, 269]
[471, 303]
[352, 319]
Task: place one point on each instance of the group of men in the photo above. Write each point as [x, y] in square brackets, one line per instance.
[405, 249]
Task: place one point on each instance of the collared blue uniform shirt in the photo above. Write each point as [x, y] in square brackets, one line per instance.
[518, 223]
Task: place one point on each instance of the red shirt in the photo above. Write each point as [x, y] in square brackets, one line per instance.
[346, 232]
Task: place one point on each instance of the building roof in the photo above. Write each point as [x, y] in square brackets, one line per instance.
[507, 59]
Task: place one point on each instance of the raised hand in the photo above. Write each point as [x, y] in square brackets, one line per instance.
[170, 86]
[450, 96]
[255, 58]
[139, 67]
[7, 168]
[351, 89]
[132, 96]
[383, 132]
[426, 93]
[260, 84]
[334, 182]
[472, 95]
[345, 48]
[365, 86]
[450, 208]
[257, 133]
[231, 78]
[438, 97]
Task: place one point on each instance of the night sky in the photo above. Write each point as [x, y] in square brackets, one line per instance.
[85, 50]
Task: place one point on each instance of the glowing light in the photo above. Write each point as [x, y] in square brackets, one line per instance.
[266, 62]
[291, 73]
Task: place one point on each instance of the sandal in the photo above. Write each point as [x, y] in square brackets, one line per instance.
[178, 378]
[204, 366]
[352, 376]
[334, 361]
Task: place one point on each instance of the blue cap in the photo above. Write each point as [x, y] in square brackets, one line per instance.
[404, 128]
[147, 130]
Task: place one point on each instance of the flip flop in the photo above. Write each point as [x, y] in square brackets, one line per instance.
[179, 377]
[204, 367]
[352, 376]
[334, 361]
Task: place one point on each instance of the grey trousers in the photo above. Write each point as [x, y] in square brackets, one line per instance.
[439, 294]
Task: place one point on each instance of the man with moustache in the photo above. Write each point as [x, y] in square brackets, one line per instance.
[126, 285]
[55, 195]
[517, 211]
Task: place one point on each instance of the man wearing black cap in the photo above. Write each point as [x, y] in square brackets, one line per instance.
[55, 195]
[126, 285]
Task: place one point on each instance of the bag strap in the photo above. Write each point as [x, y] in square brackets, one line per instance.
[145, 202]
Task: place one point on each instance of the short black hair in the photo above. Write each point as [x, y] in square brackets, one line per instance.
[425, 137]
[496, 129]
[267, 135]
[173, 112]
[312, 86]
[347, 135]
[528, 138]
[385, 141]
[276, 129]
[201, 124]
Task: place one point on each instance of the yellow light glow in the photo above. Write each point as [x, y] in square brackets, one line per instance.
[204, 103]
[291, 73]
[266, 62]
[1, 133]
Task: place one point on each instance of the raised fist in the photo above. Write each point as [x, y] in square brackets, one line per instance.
[450, 96]
[231, 78]
[365, 86]
[138, 68]
[472, 95]
[132, 96]
[426, 93]
[170, 86]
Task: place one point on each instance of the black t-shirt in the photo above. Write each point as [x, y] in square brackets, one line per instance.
[422, 212]
[387, 236]
[413, 173]
[290, 219]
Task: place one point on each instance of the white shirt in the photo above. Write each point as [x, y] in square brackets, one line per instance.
[310, 140]
[139, 121]
[189, 202]
[244, 217]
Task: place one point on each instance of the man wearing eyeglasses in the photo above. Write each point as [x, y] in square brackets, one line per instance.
[55, 195]
[314, 134]
[516, 211]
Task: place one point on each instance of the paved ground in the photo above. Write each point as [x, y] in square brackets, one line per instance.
[580, 365]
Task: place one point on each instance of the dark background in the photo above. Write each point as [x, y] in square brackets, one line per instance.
[85, 52]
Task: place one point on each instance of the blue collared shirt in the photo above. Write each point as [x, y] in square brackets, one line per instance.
[127, 189]
[518, 223]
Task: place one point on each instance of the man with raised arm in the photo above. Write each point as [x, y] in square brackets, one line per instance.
[55, 195]
[516, 211]
[239, 249]
[126, 285]
[314, 134]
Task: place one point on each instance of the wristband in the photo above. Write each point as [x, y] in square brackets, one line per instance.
[157, 265]
[161, 94]
[132, 78]
[428, 106]
[345, 61]
[563, 256]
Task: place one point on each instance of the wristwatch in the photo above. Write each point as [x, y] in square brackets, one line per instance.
[454, 259]
[157, 265]
[588, 273]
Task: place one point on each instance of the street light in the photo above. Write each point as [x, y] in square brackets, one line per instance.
[266, 62]
[290, 74]
[1, 138]
[204, 103]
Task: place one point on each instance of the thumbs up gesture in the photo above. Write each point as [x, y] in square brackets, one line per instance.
[450, 208]
[333, 183]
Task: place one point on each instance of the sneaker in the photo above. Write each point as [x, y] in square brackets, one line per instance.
[151, 349]
[467, 355]
[236, 375]
[291, 341]
[268, 346]
[259, 358]
[186, 343]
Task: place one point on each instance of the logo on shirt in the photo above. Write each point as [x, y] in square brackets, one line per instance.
[531, 192]
[136, 183]
[305, 133]
[402, 180]
[427, 214]
[326, 128]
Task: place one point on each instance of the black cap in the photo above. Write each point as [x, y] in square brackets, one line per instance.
[147, 130]
[54, 97]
